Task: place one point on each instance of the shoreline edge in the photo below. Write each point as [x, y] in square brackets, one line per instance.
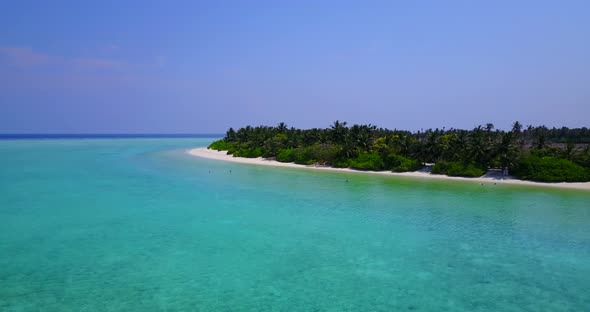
[204, 152]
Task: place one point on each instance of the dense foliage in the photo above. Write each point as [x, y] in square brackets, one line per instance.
[535, 153]
[458, 169]
[550, 169]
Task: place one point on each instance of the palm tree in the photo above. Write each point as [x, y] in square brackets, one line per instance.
[489, 127]
[282, 127]
[516, 127]
[243, 134]
[517, 135]
[540, 136]
[339, 131]
[568, 149]
[506, 150]
[403, 144]
[431, 148]
[459, 146]
[477, 147]
[230, 135]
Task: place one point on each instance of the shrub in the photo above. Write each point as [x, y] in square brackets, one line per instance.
[303, 156]
[398, 163]
[286, 155]
[248, 152]
[457, 169]
[367, 161]
[548, 151]
[341, 163]
[221, 145]
[272, 146]
[582, 160]
[440, 168]
[550, 169]
[324, 153]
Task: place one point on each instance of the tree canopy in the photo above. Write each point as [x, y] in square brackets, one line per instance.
[536, 153]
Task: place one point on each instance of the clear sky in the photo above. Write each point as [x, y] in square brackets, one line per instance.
[201, 67]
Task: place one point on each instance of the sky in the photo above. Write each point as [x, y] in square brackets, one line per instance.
[205, 66]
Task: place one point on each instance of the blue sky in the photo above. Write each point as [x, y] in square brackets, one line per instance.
[201, 67]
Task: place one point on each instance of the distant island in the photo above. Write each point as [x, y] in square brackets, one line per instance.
[532, 153]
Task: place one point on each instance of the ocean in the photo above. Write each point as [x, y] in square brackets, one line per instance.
[137, 224]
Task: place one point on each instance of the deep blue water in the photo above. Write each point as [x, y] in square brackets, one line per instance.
[138, 225]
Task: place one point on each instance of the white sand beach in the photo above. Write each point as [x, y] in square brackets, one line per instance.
[489, 178]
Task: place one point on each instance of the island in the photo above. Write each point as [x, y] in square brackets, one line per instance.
[530, 153]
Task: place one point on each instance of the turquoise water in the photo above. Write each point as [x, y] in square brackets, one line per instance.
[138, 225]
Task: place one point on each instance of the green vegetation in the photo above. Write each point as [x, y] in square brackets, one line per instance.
[367, 161]
[221, 145]
[550, 169]
[287, 155]
[248, 152]
[398, 163]
[532, 153]
[457, 169]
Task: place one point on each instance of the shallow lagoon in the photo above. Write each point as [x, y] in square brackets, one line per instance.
[139, 225]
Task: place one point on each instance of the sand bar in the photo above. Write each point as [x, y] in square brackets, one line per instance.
[486, 179]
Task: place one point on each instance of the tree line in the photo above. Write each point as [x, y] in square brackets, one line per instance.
[531, 153]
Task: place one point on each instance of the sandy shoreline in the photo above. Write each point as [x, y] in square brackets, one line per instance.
[221, 155]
